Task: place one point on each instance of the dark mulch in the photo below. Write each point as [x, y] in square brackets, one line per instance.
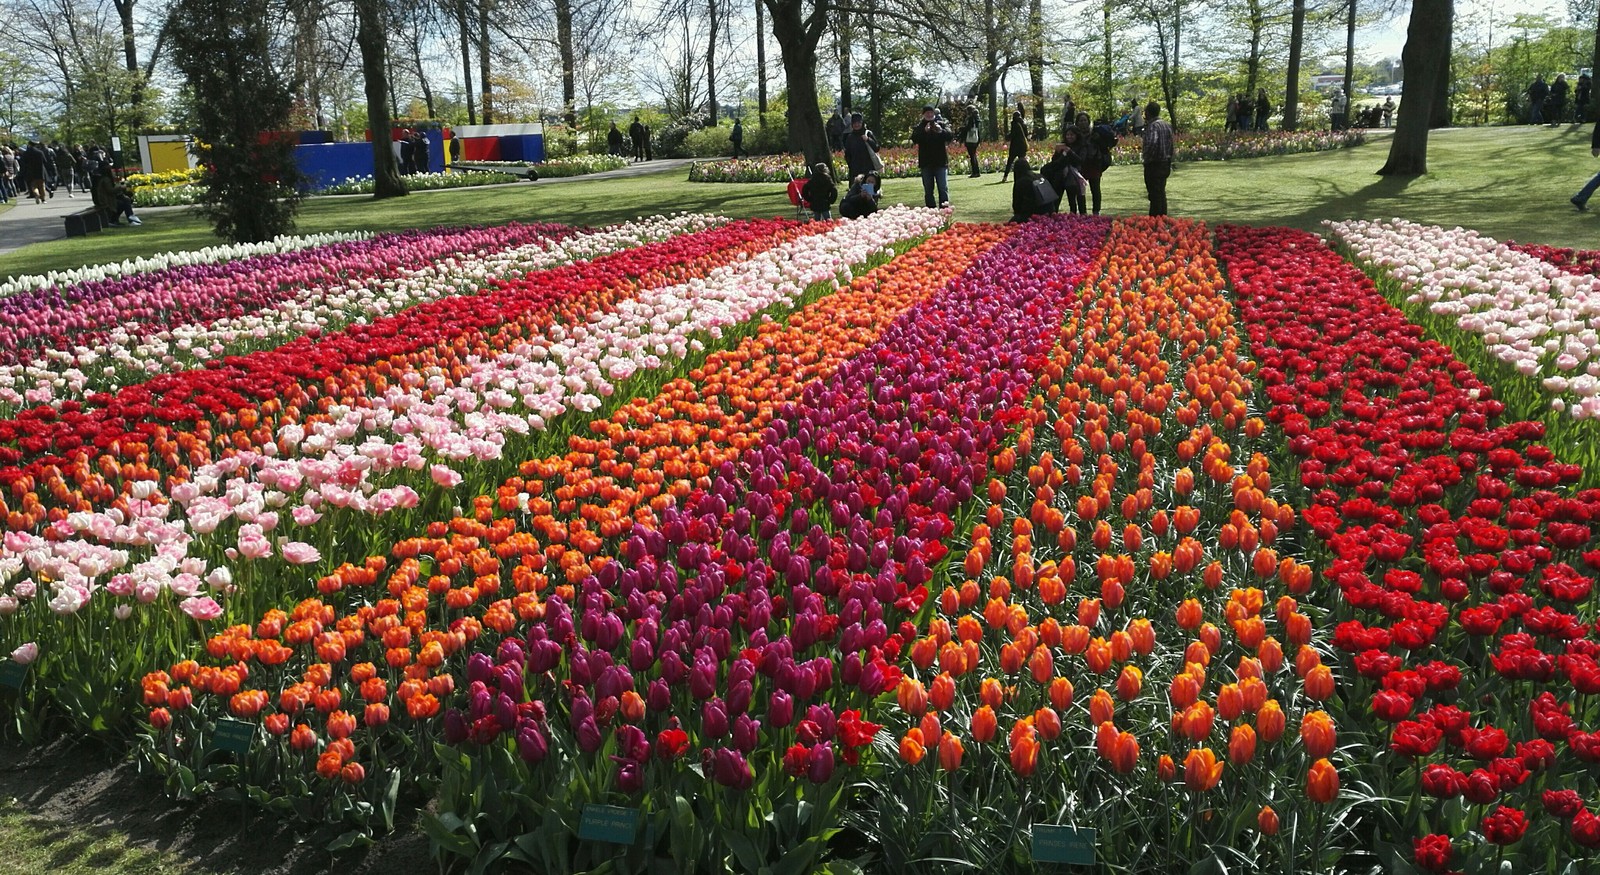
[74, 788]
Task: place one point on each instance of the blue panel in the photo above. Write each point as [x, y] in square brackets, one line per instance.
[533, 148]
[333, 163]
[510, 148]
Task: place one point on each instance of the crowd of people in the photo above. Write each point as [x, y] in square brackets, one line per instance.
[638, 136]
[1548, 102]
[38, 171]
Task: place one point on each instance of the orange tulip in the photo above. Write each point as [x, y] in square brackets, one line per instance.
[1040, 665]
[1230, 702]
[1317, 734]
[1184, 691]
[950, 752]
[1190, 615]
[1061, 693]
[943, 693]
[1267, 821]
[911, 748]
[1025, 754]
[1101, 707]
[1197, 721]
[1143, 635]
[1098, 656]
[991, 693]
[1166, 769]
[1242, 745]
[984, 725]
[1125, 753]
[1270, 721]
[1319, 683]
[912, 697]
[1129, 683]
[1048, 722]
[1201, 770]
[1322, 782]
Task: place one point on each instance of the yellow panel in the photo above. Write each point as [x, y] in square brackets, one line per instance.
[168, 156]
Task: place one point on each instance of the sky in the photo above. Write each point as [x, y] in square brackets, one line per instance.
[1386, 40]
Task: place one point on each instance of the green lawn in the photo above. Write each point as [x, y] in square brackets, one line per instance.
[1511, 183]
[32, 845]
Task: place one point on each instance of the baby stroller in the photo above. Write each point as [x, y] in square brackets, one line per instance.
[802, 210]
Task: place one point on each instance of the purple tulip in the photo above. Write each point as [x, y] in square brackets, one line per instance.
[819, 766]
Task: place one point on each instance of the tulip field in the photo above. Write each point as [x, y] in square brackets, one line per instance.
[890, 545]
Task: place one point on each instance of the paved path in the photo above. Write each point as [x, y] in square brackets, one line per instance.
[28, 223]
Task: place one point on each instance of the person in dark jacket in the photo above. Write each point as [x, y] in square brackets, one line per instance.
[932, 135]
[1581, 199]
[836, 131]
[860, 149]
[1064, 172]
[64, 166]
[1558, 99]
[33, 176]
[455, 148]
[408, 155]
[1537, 93]
[820, 192]
[1099, 142]
[614, 140]
[862, 198]
[1263, 109]
[971, 136]
[419, 153]
[636, 134]
[737, 138]
[1024, 196]
[1580, 99]
[1017, 141]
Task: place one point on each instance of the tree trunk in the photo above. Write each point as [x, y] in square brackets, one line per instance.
[1350, 52]
[1291, 98]
[761, 65]
[1252, 64]
[798, 36]
[1108, 60]
[1594, 62]
[484, 72]
[466, 59]
[1443, 113]
[991, 65]
[1426, 51]
[715, 25]
[569, 63]
[842, 33]
[374, 70]
[874, 71]
[1177, 62]
[1036, 64]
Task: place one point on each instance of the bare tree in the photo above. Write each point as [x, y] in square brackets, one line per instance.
[370, 20]
[1425, 56]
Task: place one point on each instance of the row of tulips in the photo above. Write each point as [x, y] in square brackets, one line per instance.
[270, 312]
[1578, 262]
[561, 531]
[62, 279]
[131, 581]
[1462, 556]
[1121, 645]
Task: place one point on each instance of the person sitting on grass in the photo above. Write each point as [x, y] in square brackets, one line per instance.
[1025, 195]
[820, 192]
[862, 199]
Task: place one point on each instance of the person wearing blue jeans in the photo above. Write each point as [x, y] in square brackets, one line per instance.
[1581, 199]
[931, 135]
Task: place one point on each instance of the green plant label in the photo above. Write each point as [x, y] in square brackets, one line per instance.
[234, 736]
[609, 823]
[1053, 843]
[12, 674]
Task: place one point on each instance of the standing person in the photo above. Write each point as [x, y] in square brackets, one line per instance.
[614, 140]
[860, 149]
[455, 148]
[1558, 99]
[8, 175]
[737, 137]
[420, 153]
[1580, 98]
[1017, 142]
[1065, 170]
[408, 155]
[649, 153]
[1157, 156]
[1263, 109]
[1100, 142]
[1388, 111]
[32, 163]
[1537, 93]
[971, 135]
[1581, 199]
[80, 168]
[636, 134]
[931, 136]
[1136, 121]
[65, 174]
[1338, 105]
[836, 130]
[820, 192]
[1232, 122]
[51, 177]
[1069, 114]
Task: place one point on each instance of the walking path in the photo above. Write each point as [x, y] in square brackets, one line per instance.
[27, 223]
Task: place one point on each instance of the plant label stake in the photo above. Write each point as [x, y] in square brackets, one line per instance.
[12, 674]
[609, 823]
[1054, 843]
[234, 736]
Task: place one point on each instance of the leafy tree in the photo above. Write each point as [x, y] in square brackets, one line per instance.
[239, 99]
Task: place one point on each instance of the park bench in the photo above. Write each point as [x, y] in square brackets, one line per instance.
[83, 222]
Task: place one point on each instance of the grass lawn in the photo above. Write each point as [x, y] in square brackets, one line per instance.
[1511, 183]
[32, 845]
